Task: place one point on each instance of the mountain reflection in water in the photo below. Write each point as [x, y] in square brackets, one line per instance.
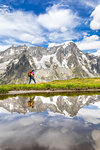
[50, 123]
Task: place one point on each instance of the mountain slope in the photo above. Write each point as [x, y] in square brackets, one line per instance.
[59, 63]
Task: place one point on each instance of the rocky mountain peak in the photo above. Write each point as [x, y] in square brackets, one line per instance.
[72, 44]
[59, 63]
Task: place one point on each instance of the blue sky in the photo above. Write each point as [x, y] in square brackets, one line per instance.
[50, 22]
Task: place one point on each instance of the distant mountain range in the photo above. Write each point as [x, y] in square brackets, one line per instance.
[59, 63]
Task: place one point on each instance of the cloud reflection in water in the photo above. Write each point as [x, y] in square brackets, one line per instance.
[51, 130]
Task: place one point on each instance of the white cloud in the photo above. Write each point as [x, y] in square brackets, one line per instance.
[58, 19]
[32, 38]
[56, 25]
[95, 23]
[21, 26]
[4, 8]
[62, 37]
[91, 38]
[89, 43]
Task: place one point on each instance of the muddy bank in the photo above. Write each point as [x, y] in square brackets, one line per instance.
[49, 91]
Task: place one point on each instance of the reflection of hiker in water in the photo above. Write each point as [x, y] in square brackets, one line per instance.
[31, 102]
[31, 75]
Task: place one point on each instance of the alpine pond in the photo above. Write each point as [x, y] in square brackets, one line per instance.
[50, 123]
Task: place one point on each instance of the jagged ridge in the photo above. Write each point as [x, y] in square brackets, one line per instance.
[59, 63]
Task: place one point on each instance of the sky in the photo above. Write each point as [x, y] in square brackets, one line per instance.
[50, 22]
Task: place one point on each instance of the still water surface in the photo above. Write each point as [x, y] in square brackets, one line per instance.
[50, 123]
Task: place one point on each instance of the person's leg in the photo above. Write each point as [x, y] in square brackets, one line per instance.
[30, 80]
[33, 79]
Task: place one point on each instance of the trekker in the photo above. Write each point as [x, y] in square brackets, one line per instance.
[31, 75]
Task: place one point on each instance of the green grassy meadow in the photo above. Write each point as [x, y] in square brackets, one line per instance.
[72, 84]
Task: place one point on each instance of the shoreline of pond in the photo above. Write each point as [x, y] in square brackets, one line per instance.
[48, 91]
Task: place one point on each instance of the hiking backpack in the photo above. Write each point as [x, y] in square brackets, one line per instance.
[29, 73]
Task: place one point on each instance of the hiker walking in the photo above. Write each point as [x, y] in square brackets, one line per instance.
[31, 75]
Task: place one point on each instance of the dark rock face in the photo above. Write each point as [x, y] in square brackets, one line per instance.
[98, 66]
[21, 67]
[60, 55]
[17, 70]
[59, 63]
[38, 52]
[48, 64]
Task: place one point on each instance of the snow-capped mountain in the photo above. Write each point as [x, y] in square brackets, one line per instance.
[68, 106]
[59, 63]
